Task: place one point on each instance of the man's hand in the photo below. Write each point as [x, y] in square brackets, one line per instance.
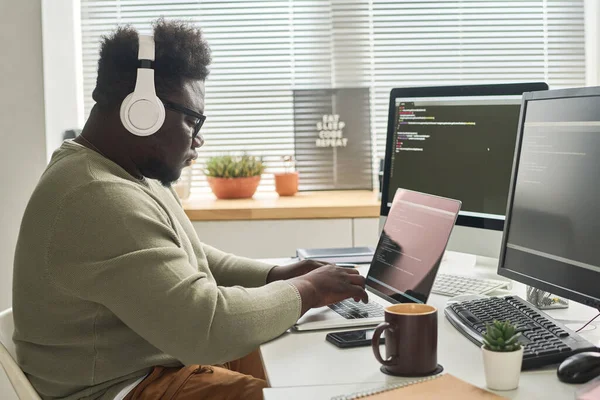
[329, 284]
[284, 272]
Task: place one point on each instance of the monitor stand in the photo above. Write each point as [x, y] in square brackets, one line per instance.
[482, 242]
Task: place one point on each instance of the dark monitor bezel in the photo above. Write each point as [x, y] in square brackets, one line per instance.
[505, 89]
[502, 269]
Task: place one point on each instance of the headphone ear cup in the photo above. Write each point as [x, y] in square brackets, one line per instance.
[142, 116]
[123, 111]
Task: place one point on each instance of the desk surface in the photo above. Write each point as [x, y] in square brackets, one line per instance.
[304, 205]
[306, 360]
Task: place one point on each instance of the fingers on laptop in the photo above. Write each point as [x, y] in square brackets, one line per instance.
[359, 294]
[358, 280]
[357, 283]
[350, 271]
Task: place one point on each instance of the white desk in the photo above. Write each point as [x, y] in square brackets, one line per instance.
[296, 364]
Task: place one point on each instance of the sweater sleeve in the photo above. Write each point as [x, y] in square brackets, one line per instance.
[114, 245]
[230, 270]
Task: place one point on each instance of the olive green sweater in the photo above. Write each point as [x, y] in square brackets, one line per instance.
[110, 279]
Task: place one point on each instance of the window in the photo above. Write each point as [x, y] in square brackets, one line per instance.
[262, 50]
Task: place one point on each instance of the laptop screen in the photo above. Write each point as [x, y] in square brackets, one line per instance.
[411, 246]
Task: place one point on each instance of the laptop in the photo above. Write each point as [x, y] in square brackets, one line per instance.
[405, 264]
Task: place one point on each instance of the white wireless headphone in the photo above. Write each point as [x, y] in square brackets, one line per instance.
[142, 113]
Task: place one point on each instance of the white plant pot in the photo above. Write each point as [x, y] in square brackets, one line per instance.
[502, 369]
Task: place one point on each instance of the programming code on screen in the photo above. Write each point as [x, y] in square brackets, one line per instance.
[555, 208]
[553, 229]
[460, 149]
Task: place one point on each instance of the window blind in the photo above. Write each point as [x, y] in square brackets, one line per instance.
[263, 50]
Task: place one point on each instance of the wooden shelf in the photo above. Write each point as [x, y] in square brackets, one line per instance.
[304, 205]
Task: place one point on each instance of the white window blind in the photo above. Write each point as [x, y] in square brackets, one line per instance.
[262, 50]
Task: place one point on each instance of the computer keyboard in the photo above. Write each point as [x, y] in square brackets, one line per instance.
[351, 309]
[545, 340]
[454, 285]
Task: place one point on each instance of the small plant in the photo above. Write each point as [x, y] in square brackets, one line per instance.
[234, 166]
[501, 337]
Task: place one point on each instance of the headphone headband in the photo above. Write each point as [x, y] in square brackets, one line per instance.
[146, 47]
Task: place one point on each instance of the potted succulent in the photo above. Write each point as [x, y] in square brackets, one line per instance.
[502, 356]
[234, 177]
[286, 183]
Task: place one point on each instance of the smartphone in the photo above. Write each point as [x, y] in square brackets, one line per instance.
[352, 338]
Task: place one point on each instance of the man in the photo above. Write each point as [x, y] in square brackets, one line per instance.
[114, 294]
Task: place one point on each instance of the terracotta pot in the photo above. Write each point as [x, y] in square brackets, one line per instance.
[286, 184]
[234, 188]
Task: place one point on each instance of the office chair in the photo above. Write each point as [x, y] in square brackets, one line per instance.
[8, 358]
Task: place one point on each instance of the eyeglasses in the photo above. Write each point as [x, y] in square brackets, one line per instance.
[200, 118]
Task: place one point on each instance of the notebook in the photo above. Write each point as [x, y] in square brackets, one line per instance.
[446, 386]
[356, 255]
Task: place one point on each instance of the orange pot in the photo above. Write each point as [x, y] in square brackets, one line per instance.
[286, 184]
[234, 188]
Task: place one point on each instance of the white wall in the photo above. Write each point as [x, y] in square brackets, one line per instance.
[592, 53]
[61, 32]
[23, 151]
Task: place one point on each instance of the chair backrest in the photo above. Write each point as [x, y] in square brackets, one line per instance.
[8, 359]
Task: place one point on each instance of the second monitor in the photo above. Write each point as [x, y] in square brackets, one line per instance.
[456, 142]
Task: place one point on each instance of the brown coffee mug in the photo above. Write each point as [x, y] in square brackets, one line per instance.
[410, 340]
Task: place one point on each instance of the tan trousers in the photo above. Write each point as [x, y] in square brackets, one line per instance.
[239, 379]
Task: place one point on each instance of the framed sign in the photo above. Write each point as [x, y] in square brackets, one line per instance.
[332, 134]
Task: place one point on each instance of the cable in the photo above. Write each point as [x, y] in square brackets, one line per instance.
[589, 322]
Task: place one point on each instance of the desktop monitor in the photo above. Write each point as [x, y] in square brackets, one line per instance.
[456, 142]
[553, 216]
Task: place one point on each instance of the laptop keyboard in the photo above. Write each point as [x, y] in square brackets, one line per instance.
[351, 309]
